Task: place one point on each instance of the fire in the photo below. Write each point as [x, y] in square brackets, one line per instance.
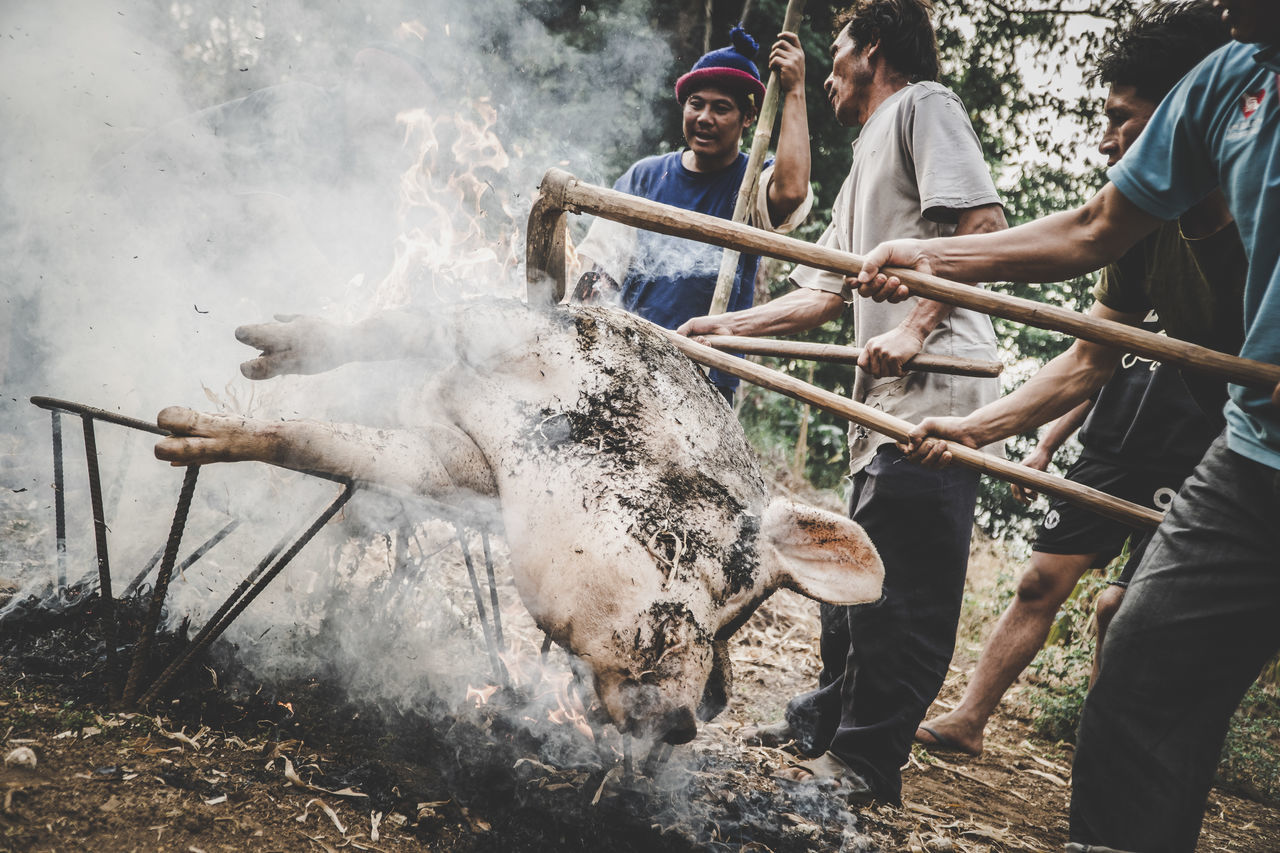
[460, 232]
[481, 695]
[569, 710]
[550, 687]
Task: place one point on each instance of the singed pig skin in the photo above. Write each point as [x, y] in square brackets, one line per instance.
[637, 518]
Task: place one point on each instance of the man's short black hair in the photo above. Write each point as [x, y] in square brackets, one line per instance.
[903, 30]
[1160, 45]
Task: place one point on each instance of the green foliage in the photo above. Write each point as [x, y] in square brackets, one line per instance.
[1058, 698]
[1062, 666]
[1250, 762]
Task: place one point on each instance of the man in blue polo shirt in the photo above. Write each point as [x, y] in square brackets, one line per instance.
[667, 279]
[1200, 619]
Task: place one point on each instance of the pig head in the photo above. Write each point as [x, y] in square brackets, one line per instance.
[639, 525]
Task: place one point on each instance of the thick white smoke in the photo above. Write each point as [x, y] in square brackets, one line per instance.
[173, 170]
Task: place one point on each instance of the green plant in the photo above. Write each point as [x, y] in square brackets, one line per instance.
[1063, 665]
[1250, 761]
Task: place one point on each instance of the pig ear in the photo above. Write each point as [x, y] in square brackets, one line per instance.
[819, 554]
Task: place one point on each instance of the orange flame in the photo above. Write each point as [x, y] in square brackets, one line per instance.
[463, 234]
[481, 695]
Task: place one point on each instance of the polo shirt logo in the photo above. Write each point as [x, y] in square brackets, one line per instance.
[1250, 101]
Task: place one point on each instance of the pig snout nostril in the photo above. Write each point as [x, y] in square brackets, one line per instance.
[679, 726]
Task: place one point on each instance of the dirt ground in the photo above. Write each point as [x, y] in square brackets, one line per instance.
[222, 764]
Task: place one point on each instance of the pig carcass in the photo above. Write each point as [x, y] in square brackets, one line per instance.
[640, 528]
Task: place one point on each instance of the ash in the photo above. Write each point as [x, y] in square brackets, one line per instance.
[466, 777]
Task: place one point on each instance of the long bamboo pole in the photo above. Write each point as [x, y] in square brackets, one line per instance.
[923, 362]
[755, 163]
[642, 213]
[898, 429]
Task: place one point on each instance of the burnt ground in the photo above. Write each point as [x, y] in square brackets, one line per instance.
[227, 763]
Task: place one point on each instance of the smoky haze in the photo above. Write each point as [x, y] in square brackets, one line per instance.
[173, 170]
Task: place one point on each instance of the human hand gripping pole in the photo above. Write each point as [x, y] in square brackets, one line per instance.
[573, 195]
[902, 431]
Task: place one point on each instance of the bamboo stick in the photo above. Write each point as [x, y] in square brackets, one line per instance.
[899, 429]
[923, 362]
[755, 163]
[642, 213]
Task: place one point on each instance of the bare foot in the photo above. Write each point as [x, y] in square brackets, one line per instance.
[942, 734]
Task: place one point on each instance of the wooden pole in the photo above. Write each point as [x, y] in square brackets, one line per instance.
[898, 429]
[642, 213]
[755, 163]
[923, 363]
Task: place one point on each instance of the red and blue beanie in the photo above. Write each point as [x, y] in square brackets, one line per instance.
[730, 68]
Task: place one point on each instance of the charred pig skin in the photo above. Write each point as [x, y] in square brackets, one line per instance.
[640, 528]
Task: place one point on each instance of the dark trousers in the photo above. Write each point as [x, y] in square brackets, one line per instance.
[1201, 618]
[883, 663]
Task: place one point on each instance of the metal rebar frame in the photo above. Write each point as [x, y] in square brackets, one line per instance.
[245, 593]
[266, 570]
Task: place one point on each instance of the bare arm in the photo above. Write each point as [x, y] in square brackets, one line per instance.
[1054, 437]
[1060, 386]
[800, 310]
[790, 184]
[885, 354]
[1063, 428]
[1054, 248]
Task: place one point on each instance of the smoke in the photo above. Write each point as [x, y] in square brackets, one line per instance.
[174, 170]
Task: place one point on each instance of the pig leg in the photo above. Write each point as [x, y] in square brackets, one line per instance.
[435, 461]
[311, 345]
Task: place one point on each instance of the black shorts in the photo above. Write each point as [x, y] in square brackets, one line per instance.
[1070, 529]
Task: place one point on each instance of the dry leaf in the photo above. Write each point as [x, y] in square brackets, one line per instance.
[294, 778]
[1057, 780]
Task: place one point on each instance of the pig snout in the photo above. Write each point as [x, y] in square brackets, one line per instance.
[645, 711]
[678, 726]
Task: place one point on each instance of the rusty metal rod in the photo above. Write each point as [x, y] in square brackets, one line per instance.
[628, 772]
[146, 636]
[97, 414]
[191, 559]
[499, 673]
[59, 501]
[240, 598]
[146, 570]
[568, 193]
[659, 755]
[99, 531]
[923, 362]
[493, 589]
[899, 429]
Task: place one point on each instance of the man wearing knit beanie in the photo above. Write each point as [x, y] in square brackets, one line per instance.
[669, 280]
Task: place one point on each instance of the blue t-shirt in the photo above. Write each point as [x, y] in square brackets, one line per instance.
[671, 279]
[1220, 127]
